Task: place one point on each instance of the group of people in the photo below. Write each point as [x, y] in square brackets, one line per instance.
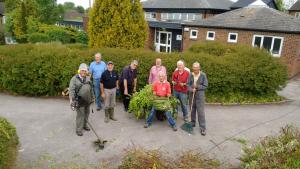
[102, 82]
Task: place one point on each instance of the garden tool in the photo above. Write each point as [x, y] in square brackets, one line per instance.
[188, 126]
[99, 143]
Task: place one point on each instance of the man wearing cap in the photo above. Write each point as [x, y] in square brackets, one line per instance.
[109, 86]
[128, 82]
[81, 96]
[97, 67]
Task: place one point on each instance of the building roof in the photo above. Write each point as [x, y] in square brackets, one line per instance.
[2, 8]
[260, 19]
[245, 3]
[296, 6]
[187, 4]
[167, 25]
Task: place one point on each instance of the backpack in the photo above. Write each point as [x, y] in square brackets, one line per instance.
[84, 94]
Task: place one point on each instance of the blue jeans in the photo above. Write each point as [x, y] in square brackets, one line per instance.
[167, 114]
[182, 97]
[97, 92]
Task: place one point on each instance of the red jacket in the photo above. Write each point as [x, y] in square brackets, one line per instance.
[162, 89]
[180, 78]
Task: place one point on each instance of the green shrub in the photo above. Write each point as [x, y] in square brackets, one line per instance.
[281, 151]
[8, 144]
[242, 75]
[81, 37]
[2, 40]
[38, 37]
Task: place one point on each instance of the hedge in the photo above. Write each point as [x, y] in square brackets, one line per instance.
[237, 74]
[8, 144]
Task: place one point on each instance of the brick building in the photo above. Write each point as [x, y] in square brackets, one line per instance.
[165, 17]
[295, 9]
[261, 27]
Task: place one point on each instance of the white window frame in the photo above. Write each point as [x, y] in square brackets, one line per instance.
[191, 34]
[272, 44]
[231, 40]
[209, 38]
[166, 16]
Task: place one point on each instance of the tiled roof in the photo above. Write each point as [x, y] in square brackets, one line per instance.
[296, 6]
[263, 19]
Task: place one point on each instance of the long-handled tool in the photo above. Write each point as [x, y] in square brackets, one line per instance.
[187, 126]
[99, 142]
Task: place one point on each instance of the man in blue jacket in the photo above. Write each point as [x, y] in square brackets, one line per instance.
[97, 67]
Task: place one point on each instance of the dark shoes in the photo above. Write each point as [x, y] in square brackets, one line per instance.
[79, 133]
[86, 128]
[203, 132]
[174, 128]
[193, 124]
[147, 125]
[98, 108]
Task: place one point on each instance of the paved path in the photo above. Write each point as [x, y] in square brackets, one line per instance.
[46, 130]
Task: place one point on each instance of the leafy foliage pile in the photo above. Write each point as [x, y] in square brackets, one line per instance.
[142, 102]
[8, 144]
[117, 23]
[140, 158]
[241, 74]
[281, 151]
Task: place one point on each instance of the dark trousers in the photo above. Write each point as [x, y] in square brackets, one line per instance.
[126, 98]
[198, 107]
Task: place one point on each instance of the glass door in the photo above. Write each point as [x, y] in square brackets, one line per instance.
[163, 42]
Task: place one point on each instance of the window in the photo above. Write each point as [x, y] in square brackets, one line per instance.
[210, 35]
[193, 34]
[164, 16]
[176, 16]
[271, 43]
[150, 15]
[232, 37]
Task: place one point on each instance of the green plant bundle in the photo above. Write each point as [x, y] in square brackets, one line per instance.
[278, 152]
[142, 102]
[8, 144]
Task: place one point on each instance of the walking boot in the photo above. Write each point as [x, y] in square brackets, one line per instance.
[106, 120]
[111, 114]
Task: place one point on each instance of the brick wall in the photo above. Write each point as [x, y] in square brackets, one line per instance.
[149, 44]
[290, 54]
[85, 23]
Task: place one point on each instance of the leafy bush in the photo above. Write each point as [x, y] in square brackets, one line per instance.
[139, 158]
[8, 144]
[142, 102]
[2, 40]
[81, 37]
[281, 151]
[242, 75]
[38, 37]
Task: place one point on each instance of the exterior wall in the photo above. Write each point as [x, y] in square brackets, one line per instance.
[290, 54]
[85, 23]
[149, 44]
[293, 13]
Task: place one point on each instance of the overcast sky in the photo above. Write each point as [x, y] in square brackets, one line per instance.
[85, 3]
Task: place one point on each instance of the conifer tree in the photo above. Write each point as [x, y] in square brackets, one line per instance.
[117, 23]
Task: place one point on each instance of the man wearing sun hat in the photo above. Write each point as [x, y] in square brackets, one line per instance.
[81, 96]
[109, 86]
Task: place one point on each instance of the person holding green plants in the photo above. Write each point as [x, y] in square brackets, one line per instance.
[128, 82]
[197, 84]
[109, 87]
[81, 97]
[97, 67]
[179, 80]
[162, 92]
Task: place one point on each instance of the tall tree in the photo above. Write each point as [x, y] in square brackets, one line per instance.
[80, 9]
[117, 23]
[281, 6]
[69, 5]
[48, 11]
[10, 5]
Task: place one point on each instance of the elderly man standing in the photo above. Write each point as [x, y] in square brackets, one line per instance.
[97, 67]
[162, 91]
[81, 96]
[128, 82]
[153, 76]
[197, 85]
[179, 80]
[109, 86]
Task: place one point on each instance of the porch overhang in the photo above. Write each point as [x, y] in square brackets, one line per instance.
[165, 25]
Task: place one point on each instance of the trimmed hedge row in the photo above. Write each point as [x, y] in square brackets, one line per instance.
[8, 144]
[235, 73]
